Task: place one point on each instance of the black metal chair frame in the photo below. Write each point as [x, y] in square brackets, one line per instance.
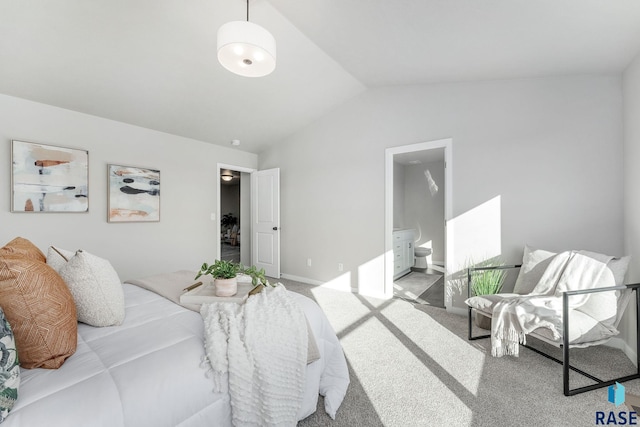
[565, 334]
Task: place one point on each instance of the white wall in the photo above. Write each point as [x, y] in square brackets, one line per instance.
[550, 148]
[185, 236]
[398, 195]
[631, 91]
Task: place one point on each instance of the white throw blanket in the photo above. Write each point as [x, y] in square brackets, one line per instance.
[513, 318]
[258, 352]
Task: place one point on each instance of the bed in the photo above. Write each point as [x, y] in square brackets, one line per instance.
[148, 371]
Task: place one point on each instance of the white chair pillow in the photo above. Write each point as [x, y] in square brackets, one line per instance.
[96, 289]
[605, 307]
[534, 264]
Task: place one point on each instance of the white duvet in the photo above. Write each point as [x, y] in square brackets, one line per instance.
[148, 372]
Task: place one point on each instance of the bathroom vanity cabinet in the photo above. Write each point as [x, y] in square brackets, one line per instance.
[403, 252]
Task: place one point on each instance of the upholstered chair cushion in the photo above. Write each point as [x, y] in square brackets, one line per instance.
[534, 264]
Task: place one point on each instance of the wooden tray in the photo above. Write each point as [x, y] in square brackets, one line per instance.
[207, 293]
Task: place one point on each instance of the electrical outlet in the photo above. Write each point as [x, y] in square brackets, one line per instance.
[308, 262]
[340, 266]
[213, 217]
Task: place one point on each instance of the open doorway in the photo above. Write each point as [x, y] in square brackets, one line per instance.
[418, 226]
[418, 204]
[230, 215]
[234, 213]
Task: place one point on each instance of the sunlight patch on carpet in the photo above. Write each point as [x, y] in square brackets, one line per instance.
[346, 310]
[439, 344]
[376, 358]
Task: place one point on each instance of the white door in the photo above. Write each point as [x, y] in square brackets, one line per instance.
[266, 221]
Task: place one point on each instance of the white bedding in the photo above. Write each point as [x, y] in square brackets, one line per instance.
[147, 372]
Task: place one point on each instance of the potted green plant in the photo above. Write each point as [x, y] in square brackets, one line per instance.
[487, 282]
[228, 220]
[258, 277]
[225, 274]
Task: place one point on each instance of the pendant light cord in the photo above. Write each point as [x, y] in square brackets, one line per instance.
[247, 10]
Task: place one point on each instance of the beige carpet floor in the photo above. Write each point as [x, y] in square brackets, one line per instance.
[412, 365]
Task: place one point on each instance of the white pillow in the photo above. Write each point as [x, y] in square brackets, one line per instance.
[534, 263]
[96, 289]
[606, 307]
[57, 257]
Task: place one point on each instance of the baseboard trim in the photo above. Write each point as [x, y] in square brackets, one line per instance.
[328, 285]
[438, 267]
[301, 279]
[620, 344]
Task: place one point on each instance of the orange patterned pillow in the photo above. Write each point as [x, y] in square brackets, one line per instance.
[41, 311]
[23, 248]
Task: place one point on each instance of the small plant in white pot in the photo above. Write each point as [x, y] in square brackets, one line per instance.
[225, 276]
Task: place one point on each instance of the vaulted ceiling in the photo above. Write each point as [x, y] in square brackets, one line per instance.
[152, 63]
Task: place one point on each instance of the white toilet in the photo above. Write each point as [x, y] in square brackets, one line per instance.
[421, 255]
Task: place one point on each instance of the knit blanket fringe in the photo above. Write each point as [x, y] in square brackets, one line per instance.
[508, 342]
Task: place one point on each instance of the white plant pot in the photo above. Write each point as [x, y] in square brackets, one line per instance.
[226, 287]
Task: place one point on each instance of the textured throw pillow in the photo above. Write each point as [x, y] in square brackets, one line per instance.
[9, 368]
[96, 289]
[603, 306]
[41, 311]
[534, 263]
[57, 258]
[23, 248]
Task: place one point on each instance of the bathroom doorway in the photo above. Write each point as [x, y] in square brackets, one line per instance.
[418, 204]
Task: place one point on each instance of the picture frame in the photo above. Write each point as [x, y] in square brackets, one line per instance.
[133, 194]
[48, 178]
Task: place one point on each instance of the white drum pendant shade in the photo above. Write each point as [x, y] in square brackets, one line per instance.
[246, 49]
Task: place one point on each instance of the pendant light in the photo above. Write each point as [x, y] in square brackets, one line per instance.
[246, 49]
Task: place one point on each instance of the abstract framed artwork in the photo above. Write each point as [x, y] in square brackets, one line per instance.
[134, 194]
[47, 178]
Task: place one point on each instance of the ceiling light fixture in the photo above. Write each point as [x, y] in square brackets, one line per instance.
[246, 49]
[226, 177]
